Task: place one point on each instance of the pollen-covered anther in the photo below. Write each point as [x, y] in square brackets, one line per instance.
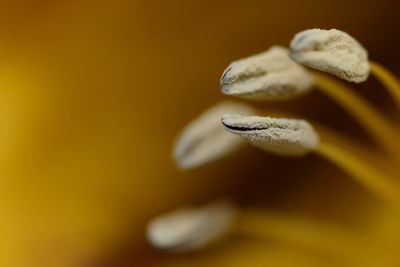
[288, 137]
[271, 75]
[192, 228]
[204, 140]
[331, 51]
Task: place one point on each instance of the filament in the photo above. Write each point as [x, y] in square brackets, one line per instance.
[377, 126]
[312, 234]
[372, 179]
[390, 82]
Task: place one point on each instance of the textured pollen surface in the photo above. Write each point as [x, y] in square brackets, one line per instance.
[288, 137]
[331, 51]
[204, 139]
[191, 228]
[271, 75]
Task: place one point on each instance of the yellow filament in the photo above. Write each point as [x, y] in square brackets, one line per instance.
[367, 176]
[378, 126]
[316, 235]
[391, 83]
[374, 158]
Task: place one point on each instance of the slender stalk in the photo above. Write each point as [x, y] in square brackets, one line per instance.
[390, 82]
[382, 130]
[372, 179]
[315, 235]
[377, 159]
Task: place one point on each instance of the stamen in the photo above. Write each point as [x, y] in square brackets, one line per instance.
[391, 83]
[288, 137]
[191, 228]
[338, 53]
[204, 140]
[291, 137]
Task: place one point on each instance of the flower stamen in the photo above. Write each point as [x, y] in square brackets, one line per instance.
[290, 137]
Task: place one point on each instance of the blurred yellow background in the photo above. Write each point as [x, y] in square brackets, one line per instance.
[93, 94]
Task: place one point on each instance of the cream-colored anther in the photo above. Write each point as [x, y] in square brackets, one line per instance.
[288, 137]
[204, 140]
[332, 51]
[271, 75]
[192, 227]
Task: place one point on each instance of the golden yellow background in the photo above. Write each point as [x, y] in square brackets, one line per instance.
[94, 92]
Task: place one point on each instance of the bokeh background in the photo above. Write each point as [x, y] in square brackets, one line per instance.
[93, 94]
